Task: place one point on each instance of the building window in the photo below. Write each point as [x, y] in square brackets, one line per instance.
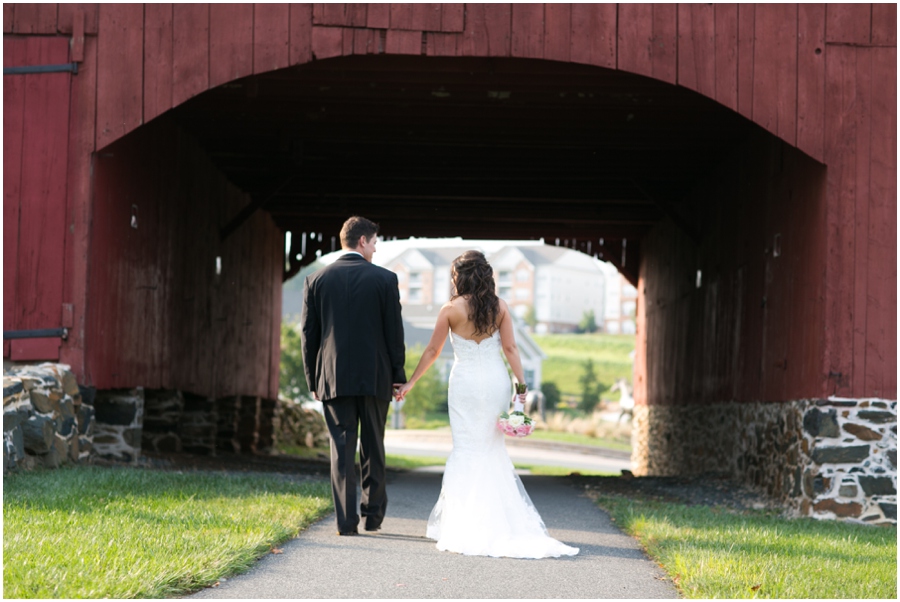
[522, 275]
[415, 287]
[504, 278]
[506, 293]
[522, 294]
[529, 377]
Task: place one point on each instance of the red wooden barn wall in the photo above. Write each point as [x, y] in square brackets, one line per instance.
[35, 134]
[820, 77]
[160, 315]
[753, 329]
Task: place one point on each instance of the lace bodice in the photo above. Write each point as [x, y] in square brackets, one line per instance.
[466, 349]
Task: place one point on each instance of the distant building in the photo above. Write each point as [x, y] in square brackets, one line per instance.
[559, 283]
[620, 307]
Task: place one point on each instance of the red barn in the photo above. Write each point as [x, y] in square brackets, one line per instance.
[737, 163]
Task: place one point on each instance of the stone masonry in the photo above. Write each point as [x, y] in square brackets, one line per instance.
[47, 421]
[120, 419]
[825, 458]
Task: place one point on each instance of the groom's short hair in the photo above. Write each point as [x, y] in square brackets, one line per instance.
[354, 228]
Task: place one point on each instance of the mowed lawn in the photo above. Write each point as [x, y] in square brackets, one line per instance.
[90, 532]
[566, 354]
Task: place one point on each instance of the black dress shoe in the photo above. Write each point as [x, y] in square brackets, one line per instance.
[354, 531]
[373, 526]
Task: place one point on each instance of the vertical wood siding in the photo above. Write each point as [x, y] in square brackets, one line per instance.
[815, 75]
[35, 141]
[752, 330]
[163, 317]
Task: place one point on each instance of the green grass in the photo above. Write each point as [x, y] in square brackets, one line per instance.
[606, 443]
[566, 354]
[89, 532]
[714, 553]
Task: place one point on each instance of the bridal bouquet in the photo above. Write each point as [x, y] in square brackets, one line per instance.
[516, 423]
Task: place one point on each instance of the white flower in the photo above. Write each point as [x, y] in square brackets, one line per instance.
[516, 420]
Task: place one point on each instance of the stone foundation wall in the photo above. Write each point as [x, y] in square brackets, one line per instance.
[176, 421]
[120, 423]
[829, 458]
[46, 420]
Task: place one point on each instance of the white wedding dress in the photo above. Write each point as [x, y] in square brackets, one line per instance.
[483, 509]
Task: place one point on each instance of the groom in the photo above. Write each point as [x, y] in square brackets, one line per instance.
[353, 356]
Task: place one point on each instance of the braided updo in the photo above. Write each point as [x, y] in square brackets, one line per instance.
[473, 277]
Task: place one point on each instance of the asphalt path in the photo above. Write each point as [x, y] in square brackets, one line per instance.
[438, 443]
[399, 562]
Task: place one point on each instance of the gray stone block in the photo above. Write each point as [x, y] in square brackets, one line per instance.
[821, 424]
[878, 485]
[11, 420]
[840, 455]
[889, 510]
[12, 389]
[876, 416]
[41, 401]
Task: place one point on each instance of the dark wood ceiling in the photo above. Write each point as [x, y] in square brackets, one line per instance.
[488, 148]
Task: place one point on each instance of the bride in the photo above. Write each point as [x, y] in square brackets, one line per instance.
[483, 508]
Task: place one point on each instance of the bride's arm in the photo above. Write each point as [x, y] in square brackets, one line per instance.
[508, 341]
[432, 351]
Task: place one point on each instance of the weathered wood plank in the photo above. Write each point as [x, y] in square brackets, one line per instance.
[119, 71]
[330, 14]
[558, 32]
[327, 42]
[528, 30]
[401, 16]
[158, 36]
[840, 156]
[775, 70]
[42, 231]
[378, 16]
[860, 139]
[442, 44]
[403, 42]
[647, 40]
[881, 238]
[77, 44]
[230, 38]
[746, 53]
[8, 17]
[347, 42]
[697, 48]
[301, 33]
[848, 23]
[884, 24]
[726, 53]
[13, 128]
[78, 206]
[190, 58]
[594, 34]
[34, 18]
[811, 80]
[453, 17]
[276, 265]
[67, 12]
[363, 41]
[271, 44]
[357, 15]
[425, 17]
[487, 30]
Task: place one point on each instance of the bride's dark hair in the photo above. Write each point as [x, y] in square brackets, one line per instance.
[473, 277]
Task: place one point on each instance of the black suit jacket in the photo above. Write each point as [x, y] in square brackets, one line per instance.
[352, 330]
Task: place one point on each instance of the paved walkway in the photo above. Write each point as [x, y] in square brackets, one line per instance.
[529, 450]
[399, 562]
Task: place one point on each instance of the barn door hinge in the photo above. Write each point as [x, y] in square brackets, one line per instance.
[63, 333]
[63, 68]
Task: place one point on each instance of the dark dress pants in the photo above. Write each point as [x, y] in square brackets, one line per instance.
[342, 415]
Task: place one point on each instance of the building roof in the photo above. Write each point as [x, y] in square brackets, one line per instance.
[536, 255]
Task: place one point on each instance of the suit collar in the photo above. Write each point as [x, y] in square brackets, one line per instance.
[352, 257]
